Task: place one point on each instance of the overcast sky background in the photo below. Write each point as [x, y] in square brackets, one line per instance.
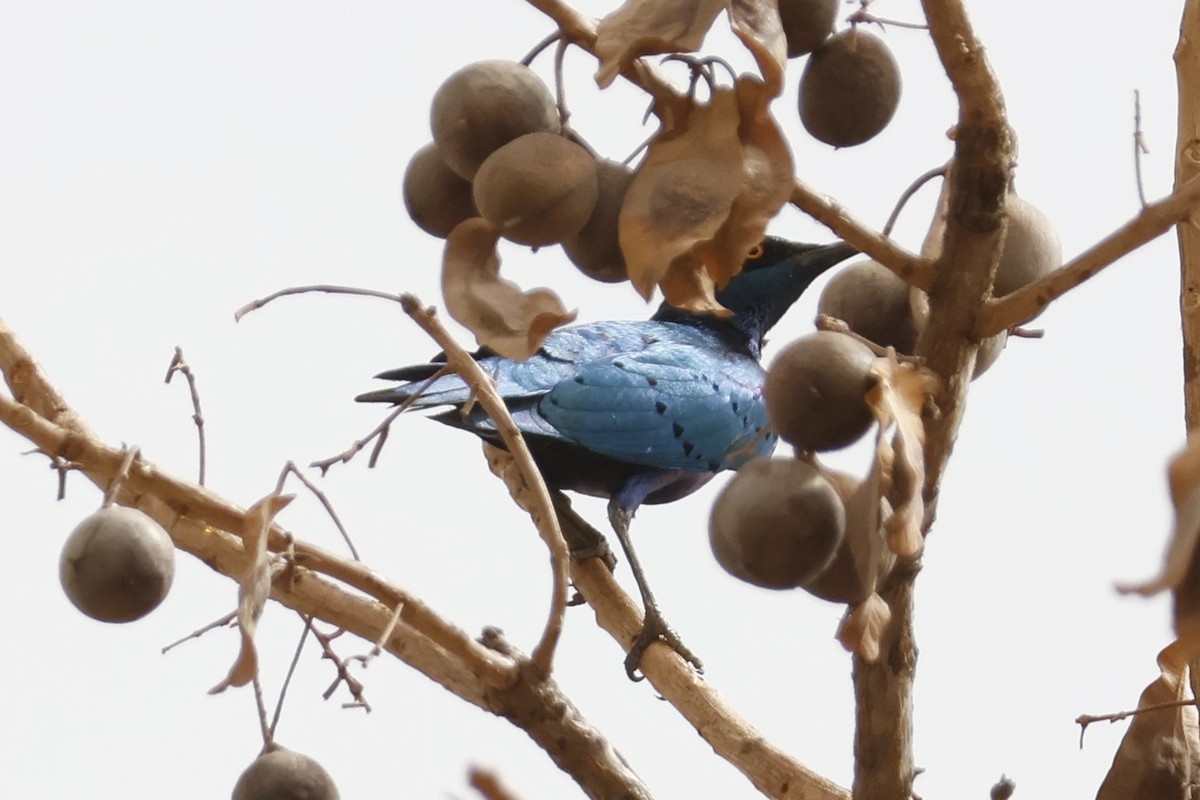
[163, 163]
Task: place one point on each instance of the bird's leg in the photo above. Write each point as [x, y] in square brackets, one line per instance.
[583, 540]
[654, 626]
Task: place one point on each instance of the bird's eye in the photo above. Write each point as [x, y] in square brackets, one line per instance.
[755, 252]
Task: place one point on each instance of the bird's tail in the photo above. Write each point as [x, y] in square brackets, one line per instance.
[422, 382]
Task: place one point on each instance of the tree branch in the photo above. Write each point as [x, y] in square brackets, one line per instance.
[1153, 221]
[1187, 172]
[199, 522]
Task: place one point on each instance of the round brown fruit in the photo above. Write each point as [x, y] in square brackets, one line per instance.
[539, 189]
[806, 23]
[777, 524]
[989, 351]
[815, 391]
[596, 249]
[849, 89]
[486, 105]
[437, 197]
[117, 565]
[1031, 247]
[284, 775]
[873, 301]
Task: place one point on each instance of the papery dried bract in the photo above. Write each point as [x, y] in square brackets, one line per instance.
[862, 629]
[646, 27]
[766, 184]
[897, 400]
[511, 322]
[683, 192]
[757, 24]
[1158, 756]
[254, 587]
[1181, 565]
[688, 285]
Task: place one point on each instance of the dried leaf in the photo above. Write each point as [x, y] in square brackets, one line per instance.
[688, 285]
[254, 586]
[863, 627]
[766, 184]
[646, 27]
[757, 24]
[1183, 473]
[509, 321]
[683, 192]
[1158, 754]
[1181, 566]
[861, 560]
[897, 400]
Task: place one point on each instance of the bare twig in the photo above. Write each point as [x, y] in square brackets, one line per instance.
[118, 480]
[375, 651]
[1083, 720]
[1027, 302]
[178, 364]
[287, 678]
[484, 389]
[343, 671]
[912, 189]
[264, 728]
[223, 622]
[1139, 146]
[291, 469]
[539, 47]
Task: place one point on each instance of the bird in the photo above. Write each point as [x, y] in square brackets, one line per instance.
[639, 412]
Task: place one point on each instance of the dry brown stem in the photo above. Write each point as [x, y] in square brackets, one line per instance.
[323, 586]
[1187, 172]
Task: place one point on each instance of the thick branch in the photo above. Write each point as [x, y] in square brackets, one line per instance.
[1187, 172]
[976, 189]
[199, 523]
[1154, 220]
[772, 771]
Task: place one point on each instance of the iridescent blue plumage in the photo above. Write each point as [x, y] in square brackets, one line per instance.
[640, 412]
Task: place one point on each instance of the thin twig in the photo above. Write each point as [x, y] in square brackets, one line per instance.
[267, 736]
[560, 88]
[377, 649]
[179, 365]
[291, 468]
[118, 480]
[540, 46]
[484, 389]
[1027, 302]
[287, 678]
[1139, 145]
[343, 671]
[912, 189]
[196, 634]
[1083, 720]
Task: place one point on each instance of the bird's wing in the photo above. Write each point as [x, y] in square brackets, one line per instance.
[672, 405]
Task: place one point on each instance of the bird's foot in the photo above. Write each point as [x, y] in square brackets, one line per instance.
[656, 629]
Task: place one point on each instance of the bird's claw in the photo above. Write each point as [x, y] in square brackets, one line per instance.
[656, 629]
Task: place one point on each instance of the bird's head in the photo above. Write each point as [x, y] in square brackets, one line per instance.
[773, 277]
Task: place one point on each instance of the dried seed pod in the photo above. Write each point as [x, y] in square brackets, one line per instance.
[806, 23]
[596, 249]
[539, 189]
[815, 391]
[777, 524]
[117, 565]
[849, 89]
[486, 105]
[437, 198]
